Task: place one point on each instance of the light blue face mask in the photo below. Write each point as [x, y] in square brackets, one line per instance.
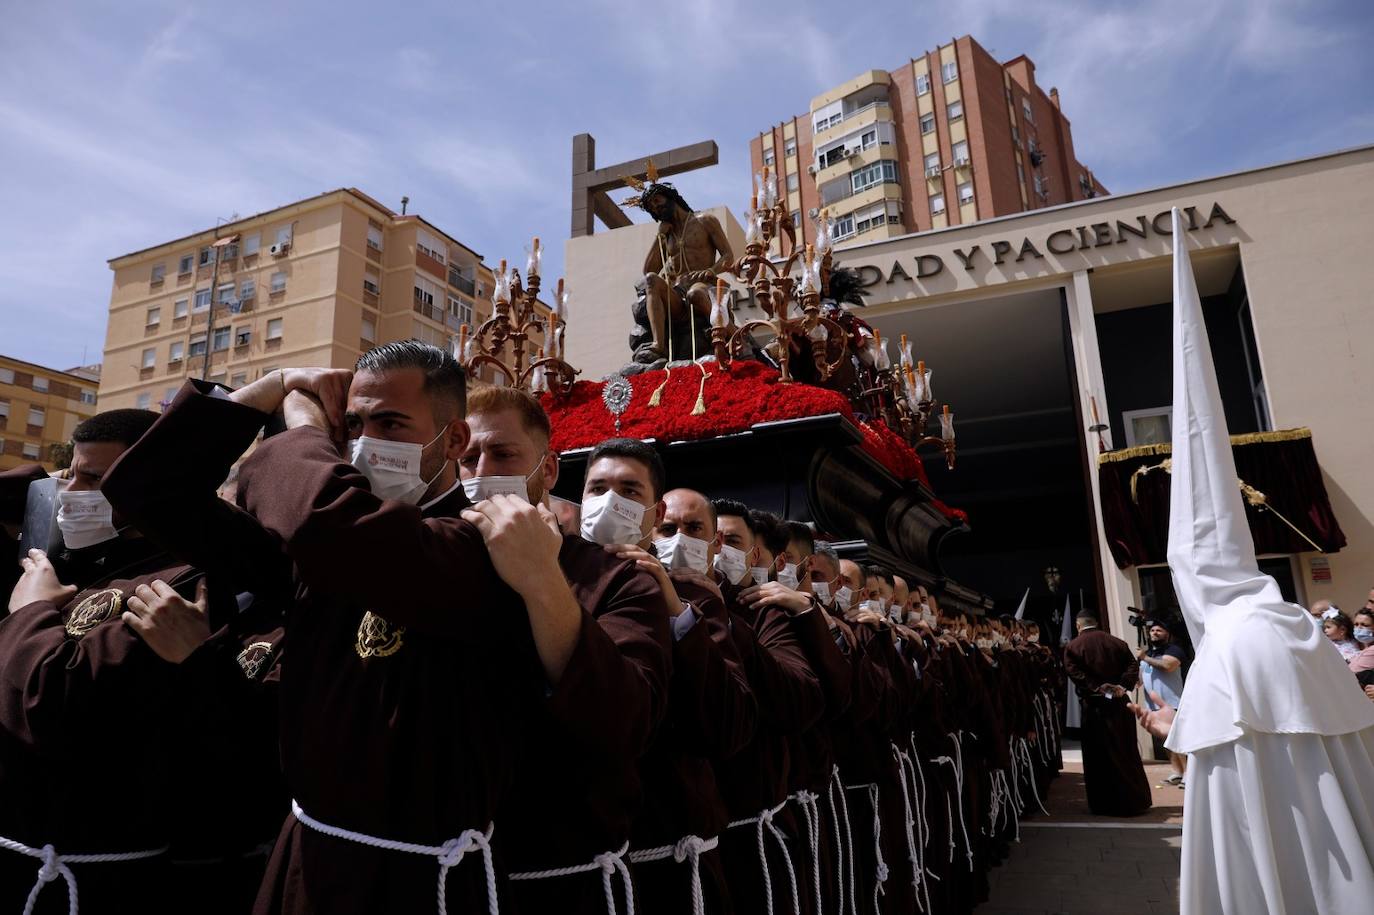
[1364, 634]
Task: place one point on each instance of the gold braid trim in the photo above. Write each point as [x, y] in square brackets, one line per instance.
[1252, 438]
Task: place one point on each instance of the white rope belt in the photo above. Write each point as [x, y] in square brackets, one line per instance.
[689, 849]
[55, 865]
[1035, 789]
[848, 849]
[762, 821]
[912, 851]
[609, 863]
[880, 874]
[810, 809]
[449, 855]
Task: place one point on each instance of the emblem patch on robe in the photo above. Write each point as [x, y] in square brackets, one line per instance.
[256, 658]
[94, 610]
[377, 637]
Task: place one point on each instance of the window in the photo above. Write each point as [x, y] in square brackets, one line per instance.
[424, 292]
[831, 157]
[428, 244]
[229, 252]
[40, 384]
[371, 283]
[828, 116]
[965, 192]
[937, 204]
[242, 335]
[4, 415]
[6, 376]
[928, 123]
[1026, 109]
[198, 344]
[961, 152]
[186, 264]
[154, 317]
[949, 72]
[175, 350]
[789, 148]
[374, 237]
[278, 282]
[207, 256]
[932, 162]
[954, 110]
[368, 331]
[144, 402]
[869, 175]
[251, 244]
[37, 416]
[1016, 137]
[30, 451]
[870, 138]
[179, 308]
[247, 289]
[149, 358]
[871, 218]
[238, 379]
[793, 182]
[843, 227]
[274, 329]
[159, 274]
[768, 157]
[202, 299]
[796, 218]
[1039, 185]
[284, 234]
[221, 339]
[430, 335]
[460, 310]
[87, 396]
[169, 396]
[922, 83]
[226, 293]
[1147, 427]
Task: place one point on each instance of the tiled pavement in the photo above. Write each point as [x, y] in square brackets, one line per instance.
[1072, 863]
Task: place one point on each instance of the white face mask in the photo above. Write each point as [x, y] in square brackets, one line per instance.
[759, 574]
[843, 596]
[479, 488]
[894, 613]
[869, 605]
[682, 552]
[788, 576]
[85, 518]
[821, 590]
[393, 468]
[731, 562]
[882, 604]
[612, 518]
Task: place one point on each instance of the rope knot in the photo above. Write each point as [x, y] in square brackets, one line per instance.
[882, 872]
[49, 871]
[451, 853]
[688, 847]
[607, 861]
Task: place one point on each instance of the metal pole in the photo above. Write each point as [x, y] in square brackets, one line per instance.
[210, 319]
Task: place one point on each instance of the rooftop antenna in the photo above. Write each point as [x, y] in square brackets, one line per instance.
[405, 202]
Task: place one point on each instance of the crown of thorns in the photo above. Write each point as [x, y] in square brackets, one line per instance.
[646, 186]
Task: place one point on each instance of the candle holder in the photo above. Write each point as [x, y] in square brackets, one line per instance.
[514, 318]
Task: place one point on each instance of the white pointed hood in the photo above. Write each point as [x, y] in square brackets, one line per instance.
[1021, 610]
[1262, 664]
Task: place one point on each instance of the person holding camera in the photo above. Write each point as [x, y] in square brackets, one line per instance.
[1161, 673]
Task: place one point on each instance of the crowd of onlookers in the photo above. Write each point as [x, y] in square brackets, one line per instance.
[1353, 636]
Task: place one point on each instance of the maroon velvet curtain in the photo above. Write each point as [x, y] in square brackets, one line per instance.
[1285, 470]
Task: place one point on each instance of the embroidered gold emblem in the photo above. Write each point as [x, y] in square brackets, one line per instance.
[377, 638]
[94, 610]
[256, 658]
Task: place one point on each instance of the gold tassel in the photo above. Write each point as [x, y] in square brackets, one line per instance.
[657, 397]
[700, 408]
[1251, 438]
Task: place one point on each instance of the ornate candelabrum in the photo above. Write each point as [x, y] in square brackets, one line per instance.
[515, 317]
[915, 401]
[776, 291]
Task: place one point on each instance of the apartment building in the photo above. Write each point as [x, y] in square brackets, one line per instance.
[949, 138]
[39, 408]
[312, 283]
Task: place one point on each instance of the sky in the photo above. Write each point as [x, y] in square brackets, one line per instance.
[128, 124]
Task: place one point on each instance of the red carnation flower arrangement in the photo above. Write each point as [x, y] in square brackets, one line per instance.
[736, 399]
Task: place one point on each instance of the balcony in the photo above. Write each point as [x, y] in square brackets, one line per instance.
[864, 157]
[862, 116]
[461, 283]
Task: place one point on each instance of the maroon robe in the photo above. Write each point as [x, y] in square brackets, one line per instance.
[1113, 774]
[409, 684]
[94, 735]
[577, 784]
[712, 714]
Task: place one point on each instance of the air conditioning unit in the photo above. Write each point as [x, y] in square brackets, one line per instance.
[854, 152]
[811, 169]
[279, 249]
[933, 171]
[813, 212]
[961, 162]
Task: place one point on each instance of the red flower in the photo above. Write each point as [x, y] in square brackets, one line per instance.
[736, 399]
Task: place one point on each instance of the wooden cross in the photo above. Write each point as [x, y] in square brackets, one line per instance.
[590, 185]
